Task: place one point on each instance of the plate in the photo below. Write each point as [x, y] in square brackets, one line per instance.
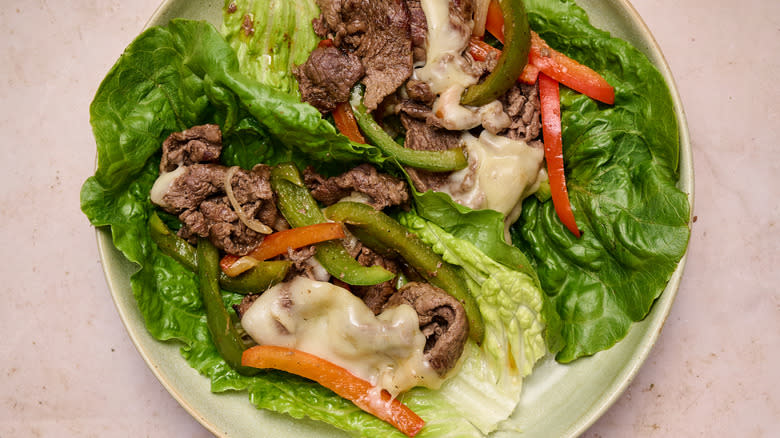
[558, 400]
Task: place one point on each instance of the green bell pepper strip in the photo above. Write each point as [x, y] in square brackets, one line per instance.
[300, 209]
[514, 57]
[223, 332]
[434, 161]
[390, 234]
[255, 280]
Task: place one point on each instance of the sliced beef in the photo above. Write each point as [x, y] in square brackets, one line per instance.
[379, 33]
[383, 190]
[442, 321]
[327, 77]
[522, 105]
[304, 264]
[422, 136]
[420, 91]
[198, 144]
[376, 296]
[198, 197]
[418, 29]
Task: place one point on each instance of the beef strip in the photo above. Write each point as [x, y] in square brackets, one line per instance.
[195, 145]
[383, 190]
[304, 264]
[442, 321]
[418, 29]
[522, 105]
[423, 136]
[379, 33]
[198, 197]
[376, 296]
[327, 77]
[420, 91]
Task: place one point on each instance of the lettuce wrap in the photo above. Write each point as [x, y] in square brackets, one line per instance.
[622, 170]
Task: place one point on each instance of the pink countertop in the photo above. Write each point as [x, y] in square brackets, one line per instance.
[69, 368]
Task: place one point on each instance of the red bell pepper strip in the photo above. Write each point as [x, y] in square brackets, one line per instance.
[553, 150]
[569, 72]
[325, 43]
[555, 64]
[278, 243]
[346, 123]
[339, 380]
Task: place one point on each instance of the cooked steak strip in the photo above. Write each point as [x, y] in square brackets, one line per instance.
[198, 144]
[422, 136]
[418, 29]
[375, 296]
[327, 77]
[198, 197]
[376, 31]
[442, 321]
[383, 190]
[522, 105]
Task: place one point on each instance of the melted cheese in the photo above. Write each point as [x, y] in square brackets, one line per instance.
[445, 43]
[329, 322]
[501, 173]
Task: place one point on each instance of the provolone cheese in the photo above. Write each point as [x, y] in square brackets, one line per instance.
[329, 322]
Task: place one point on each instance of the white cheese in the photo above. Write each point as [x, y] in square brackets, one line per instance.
[445, 43]
[501, 173]
[329, 322]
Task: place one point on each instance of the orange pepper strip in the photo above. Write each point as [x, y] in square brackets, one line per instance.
[553, 150]
[278, 243]
[346, 122]
[554, 64]
[494, 23]
[337, 379]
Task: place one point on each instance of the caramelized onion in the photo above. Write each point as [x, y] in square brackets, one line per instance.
[251, 223]
[480, 16]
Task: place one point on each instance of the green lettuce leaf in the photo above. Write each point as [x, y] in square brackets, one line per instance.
[488, 384]
[270, 38]
[622, 169]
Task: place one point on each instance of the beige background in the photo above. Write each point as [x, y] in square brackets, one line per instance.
[68, 368]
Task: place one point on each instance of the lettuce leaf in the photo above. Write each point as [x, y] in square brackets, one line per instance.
[622, 168]
[488, 384]
[270, 38]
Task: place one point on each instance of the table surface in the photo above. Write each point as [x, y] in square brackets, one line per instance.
[68, 366]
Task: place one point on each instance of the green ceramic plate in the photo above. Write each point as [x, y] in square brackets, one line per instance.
[558, 400]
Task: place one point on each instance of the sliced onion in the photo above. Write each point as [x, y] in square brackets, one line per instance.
[240, 266]
[253, 224]
[480, 17]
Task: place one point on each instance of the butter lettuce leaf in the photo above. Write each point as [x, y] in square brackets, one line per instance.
[622, 168]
